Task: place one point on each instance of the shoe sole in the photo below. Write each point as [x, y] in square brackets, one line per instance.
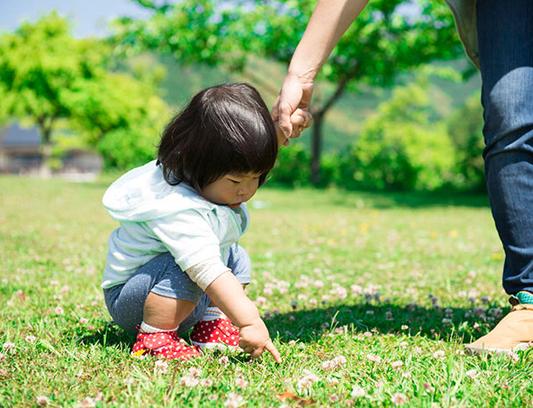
[214, 346]
[488, 350]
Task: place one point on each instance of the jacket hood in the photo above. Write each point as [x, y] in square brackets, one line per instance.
[142, 194]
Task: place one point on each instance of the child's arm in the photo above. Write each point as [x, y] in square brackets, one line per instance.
[227, 293]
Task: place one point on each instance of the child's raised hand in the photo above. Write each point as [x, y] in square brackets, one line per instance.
[254, 339]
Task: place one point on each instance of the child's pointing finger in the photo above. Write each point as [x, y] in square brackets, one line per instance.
[269, 346]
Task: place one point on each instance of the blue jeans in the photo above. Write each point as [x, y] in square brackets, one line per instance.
[162, 276]
[505, 34]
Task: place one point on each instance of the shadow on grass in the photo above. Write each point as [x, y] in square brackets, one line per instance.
[109, 334]
[308, 325]
[385, 200]
[313, 198]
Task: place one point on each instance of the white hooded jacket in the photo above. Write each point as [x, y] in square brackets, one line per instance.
[156, 217]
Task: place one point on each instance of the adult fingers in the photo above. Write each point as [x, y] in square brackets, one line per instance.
[284, 118]
[275, 110]
[282, 139]
[289, 99]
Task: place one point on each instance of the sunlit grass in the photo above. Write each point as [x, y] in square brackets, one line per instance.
[369, 298]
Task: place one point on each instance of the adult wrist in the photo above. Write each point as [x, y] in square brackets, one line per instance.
[304, 75]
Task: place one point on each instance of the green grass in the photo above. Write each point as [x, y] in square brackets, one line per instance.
[420, 258]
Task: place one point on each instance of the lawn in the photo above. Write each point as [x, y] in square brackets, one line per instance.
[369, 298]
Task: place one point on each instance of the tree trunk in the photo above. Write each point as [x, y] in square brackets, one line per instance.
[318, 122]
[46, 147]
[316, 148]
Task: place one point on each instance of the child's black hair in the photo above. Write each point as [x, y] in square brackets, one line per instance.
[224, 129]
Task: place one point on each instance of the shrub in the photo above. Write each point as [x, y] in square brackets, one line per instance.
[292, 166]
[127, 148]
[465, 129]
[399, 148]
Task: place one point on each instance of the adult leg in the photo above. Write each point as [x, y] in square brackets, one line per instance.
[505, 34]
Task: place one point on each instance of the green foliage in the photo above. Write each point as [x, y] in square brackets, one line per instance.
[46, 75]
[399, 148]
[39, 62]
[127, 148]
[384, 41]
[116, 101]
[292, 166]
[190, 30]
[465, 128]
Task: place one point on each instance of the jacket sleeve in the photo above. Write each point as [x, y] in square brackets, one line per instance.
[190, 239]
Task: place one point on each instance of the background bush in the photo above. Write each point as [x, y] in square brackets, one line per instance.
[465, 130]
[127, 148]
[399, 148]
[292, 167]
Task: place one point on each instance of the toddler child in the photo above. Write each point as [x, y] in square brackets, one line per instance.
[175, 262]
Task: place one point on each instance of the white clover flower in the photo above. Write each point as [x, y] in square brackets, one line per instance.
[234, 400]
[396, 364]
[471, 373]
[357, 392]
[42, 401]
[399, 399]
[161, 366]
[373, 358]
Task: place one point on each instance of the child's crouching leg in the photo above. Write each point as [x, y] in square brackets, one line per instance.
[157, 334]
[164, 312]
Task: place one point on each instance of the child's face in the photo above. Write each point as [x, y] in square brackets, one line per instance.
[232, 189]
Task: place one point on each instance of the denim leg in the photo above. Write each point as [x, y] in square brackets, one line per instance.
[505, 33]
[161, 276]
[240, 265]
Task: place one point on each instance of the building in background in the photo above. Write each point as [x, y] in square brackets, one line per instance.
[20, 153]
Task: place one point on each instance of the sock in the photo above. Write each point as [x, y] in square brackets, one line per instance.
[213, 313]
[146, 328]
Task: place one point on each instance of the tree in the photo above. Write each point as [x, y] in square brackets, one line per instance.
[38, 62]
[190, 30]
[388, 38]
[114, 101]
[47, 76]
[399, 147]
[120, 115]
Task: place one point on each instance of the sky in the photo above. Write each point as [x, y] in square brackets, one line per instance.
[89, 17]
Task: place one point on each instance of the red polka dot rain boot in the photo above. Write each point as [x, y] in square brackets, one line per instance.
[163, 344]
[218, 334]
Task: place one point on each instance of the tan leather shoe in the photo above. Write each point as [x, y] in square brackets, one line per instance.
[514, 332]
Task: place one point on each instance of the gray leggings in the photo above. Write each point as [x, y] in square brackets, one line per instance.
[162, 276]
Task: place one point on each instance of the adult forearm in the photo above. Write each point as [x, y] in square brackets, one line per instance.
[227, 294]
[330, 19]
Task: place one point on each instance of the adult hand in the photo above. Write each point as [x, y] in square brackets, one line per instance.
[254, 339]
[291, 109]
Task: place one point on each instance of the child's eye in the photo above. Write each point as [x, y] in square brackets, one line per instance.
[234, 181]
